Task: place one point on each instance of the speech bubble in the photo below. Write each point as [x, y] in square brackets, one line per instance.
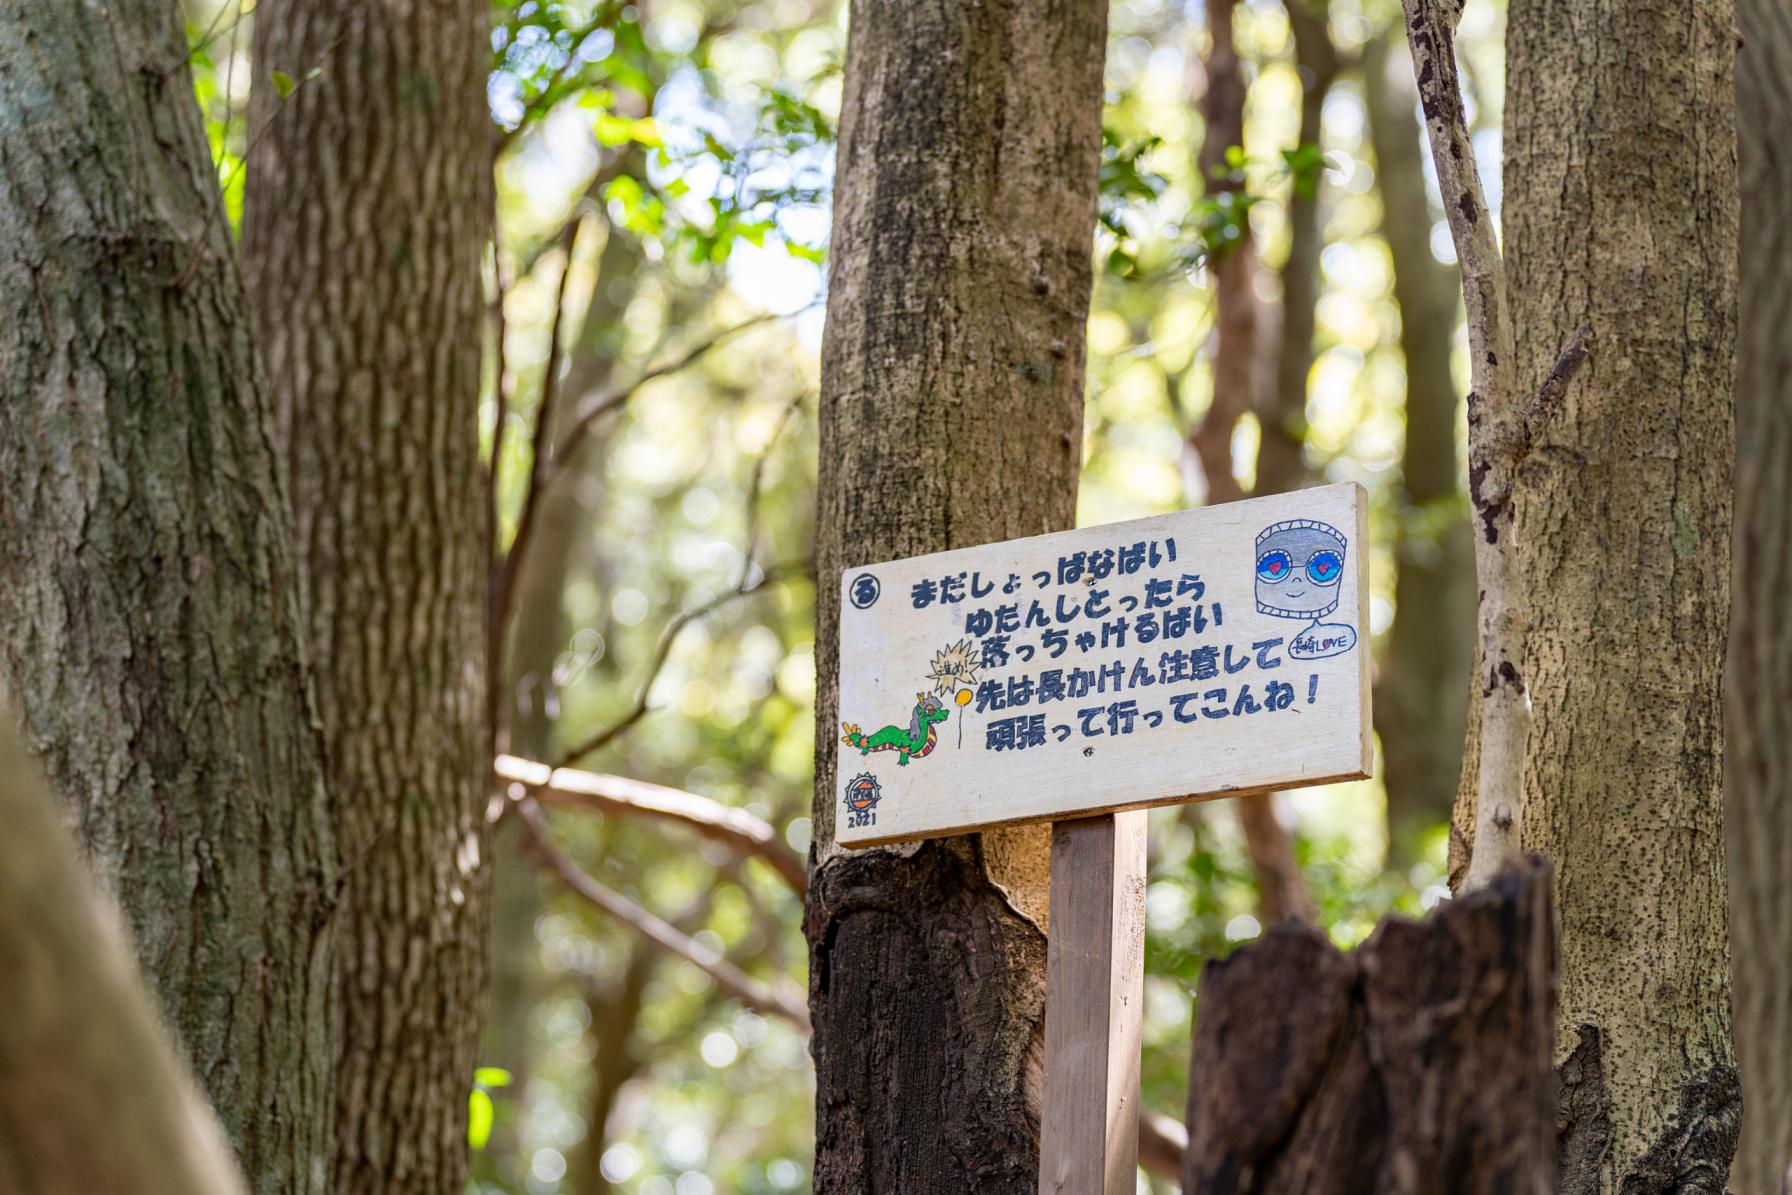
[1322, 639]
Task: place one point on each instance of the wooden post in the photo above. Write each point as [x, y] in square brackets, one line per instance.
[1095, 980]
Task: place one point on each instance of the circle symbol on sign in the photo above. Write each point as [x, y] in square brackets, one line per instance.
[863, 792]
[865, 591]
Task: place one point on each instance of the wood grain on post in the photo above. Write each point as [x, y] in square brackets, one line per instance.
[1095, 979]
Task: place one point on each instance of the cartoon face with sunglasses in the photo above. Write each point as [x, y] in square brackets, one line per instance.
[1300, 569]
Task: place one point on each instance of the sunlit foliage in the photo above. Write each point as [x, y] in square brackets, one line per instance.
[687, 145]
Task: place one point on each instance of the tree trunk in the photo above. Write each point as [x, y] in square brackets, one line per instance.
[92, 1097]
[1758, 735]
[951, 415]
[364, 226]
[1281, 455]
[1621, 214]
[1418, 1064]
[1232, 266]
[1421, 690]
[1281, 889]
[154, 647]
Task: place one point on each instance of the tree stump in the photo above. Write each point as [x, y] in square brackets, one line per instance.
[1418, 1064]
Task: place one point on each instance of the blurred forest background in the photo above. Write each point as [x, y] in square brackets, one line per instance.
[661, 179]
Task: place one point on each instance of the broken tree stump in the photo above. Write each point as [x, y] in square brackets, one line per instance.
[1418, 1064]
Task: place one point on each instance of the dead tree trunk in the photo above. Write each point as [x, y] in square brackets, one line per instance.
[951, 415]
[365, 220]
[1418, 1064]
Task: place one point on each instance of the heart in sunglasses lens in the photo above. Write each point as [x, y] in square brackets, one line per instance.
[1274, 566]
[1325, 568]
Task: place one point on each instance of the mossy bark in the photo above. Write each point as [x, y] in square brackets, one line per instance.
[154, 649]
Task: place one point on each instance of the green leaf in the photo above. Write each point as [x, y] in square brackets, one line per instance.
[283, 83]
[480, 1115]
[492, 1076]
[806, 252]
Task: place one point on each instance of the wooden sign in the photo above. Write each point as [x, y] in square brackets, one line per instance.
[1207, 653]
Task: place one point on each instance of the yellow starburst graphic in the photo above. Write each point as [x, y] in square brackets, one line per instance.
[953, 667]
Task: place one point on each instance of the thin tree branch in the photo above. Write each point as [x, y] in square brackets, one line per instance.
[669, 636]
[310, 75]
[211, 34]
[500, 394]
[1549, 396]
[1162, 1142]
[504, 579]
[757, 481]
[546, 470]
[1282, 893]
[602, 404]
[1501, 432]
[743, 987]
[735, 828]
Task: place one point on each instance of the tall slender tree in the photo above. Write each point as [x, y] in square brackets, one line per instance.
[365, 221]
[1758, 734]
[154, 649]
[951, 415]
[1421, 692]
[1605, 507]
[1282, 891]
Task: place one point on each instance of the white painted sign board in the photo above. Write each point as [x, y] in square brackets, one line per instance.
[1207, 653]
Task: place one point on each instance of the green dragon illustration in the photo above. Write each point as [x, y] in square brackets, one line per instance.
[914, 741]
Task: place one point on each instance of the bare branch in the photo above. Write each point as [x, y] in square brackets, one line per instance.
[1282, 893]
[602, 404]
[735, 828]
[504, 579]
[1549, 397]
[743, 987]
[757, 482]
[1162, 1142]
[669, 636]
[500, 394]
[1501, 431]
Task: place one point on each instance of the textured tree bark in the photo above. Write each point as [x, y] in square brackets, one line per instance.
[1417, 1064]
[1421, 691]
[951, 415]
[1758, 710]
[92, 1097]
[364, 225]
[1621, 214]
[154, 648]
